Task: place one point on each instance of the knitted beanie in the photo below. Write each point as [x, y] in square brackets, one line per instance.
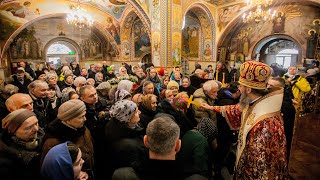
[71, 109]
[14, 120]
[172, 84]
[104, 86]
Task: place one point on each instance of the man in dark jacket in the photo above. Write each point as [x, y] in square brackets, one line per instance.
[20, 146]
[21, 81]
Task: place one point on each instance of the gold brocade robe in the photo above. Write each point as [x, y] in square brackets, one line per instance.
[261, 152]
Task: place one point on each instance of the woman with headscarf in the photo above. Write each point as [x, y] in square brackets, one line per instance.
[148, 108]
[124, 136]
[63, 162]
[70, 127]
[186, 86]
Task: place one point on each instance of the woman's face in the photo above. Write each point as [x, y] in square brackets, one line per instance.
[185, 83]
[135, 118]
[100, 77]
[166, 80]
[174, 90]
[153, 103]
[42, 77]
[77, 165]
[69, 80]
[78, 121]
[74, 96]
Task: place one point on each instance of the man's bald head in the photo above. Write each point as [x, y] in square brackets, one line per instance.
[19, 101]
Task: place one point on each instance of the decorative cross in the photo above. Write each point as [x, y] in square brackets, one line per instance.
[189, 101]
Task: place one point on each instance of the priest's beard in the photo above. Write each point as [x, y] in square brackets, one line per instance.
[244, 100]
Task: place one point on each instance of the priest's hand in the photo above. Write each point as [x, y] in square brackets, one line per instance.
[206, 106]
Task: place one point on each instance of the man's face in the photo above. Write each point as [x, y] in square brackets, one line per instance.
[98, 68]
[20, 76]
[273, 84]
[28, 129]
[84, 72]
[23, 102]
[177, 75]
[213, 93]
[41, 91]
[90, 96]
[153, 73]
[292, 70]
[149, 89]
[219, 66]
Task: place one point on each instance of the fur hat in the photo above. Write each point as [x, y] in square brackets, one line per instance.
[172, 84]
[14, 120]
[254, 74]
[71, 109]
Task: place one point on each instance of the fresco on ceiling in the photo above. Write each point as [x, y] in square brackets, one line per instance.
[176, 49]
[146, 5]
[220, 2]
[155, 15]
[226, 14]
[141, 39]
[113, 7]
[113, 29]
[191, 36]
[242, 38]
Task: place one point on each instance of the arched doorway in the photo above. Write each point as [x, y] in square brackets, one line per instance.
[62, 49]
[279, 49]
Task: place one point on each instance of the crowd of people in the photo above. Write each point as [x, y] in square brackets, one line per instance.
[136, 122]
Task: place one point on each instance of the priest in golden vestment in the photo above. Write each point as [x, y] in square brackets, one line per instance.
[261, 151]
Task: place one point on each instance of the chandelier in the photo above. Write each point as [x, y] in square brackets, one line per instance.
[79, 17]
[260, 13]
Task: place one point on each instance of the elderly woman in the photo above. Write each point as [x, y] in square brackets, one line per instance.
[103, 94]
[52, 80]
[63, 162]
[20, 145]
[148, 108]
[68, 94]
[124, 136]
[174, 87]
[70, 127]
[67, 82]
[186, 86]
[98, 79]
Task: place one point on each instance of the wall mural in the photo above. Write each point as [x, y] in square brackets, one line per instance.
[176, 50]
[156, 48]
[190, 36]
[146, 5]
[141, 39]
[226, 14]
[14, 14]
[113, 7]
[290, 20]
[220, 2]
[125, 50]
[29, 44]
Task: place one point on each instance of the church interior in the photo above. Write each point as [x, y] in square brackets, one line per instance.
[170, 33]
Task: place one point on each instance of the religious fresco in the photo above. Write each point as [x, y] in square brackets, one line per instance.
[14, 14]
[29, 44]
[226, 14]
[125, 50]
[191, 36]
[156, 48]
[176, 50]
[146, 5]
[113, 7]
[141, 39]
[155, 15]
[241, 39]
[220, 2]
[207, 52]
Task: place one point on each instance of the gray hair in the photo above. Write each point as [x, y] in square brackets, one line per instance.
[10, 89]
[162, 134]
[209, 85]
[79, 80]
[96, 76]
[35, 84]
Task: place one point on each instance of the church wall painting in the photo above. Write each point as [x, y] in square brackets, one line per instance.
[242, 38]
[190, 36]
[14, 14]
[207, 52]
[125, 50]
[226, 14]
[156, 49]
[142, 45]
[176, 49]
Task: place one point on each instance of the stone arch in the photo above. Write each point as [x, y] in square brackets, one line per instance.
[98, 26]
[65, 39]
[209, 17]
[264, 41]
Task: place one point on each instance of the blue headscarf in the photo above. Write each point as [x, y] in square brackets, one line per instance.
[57, 164]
